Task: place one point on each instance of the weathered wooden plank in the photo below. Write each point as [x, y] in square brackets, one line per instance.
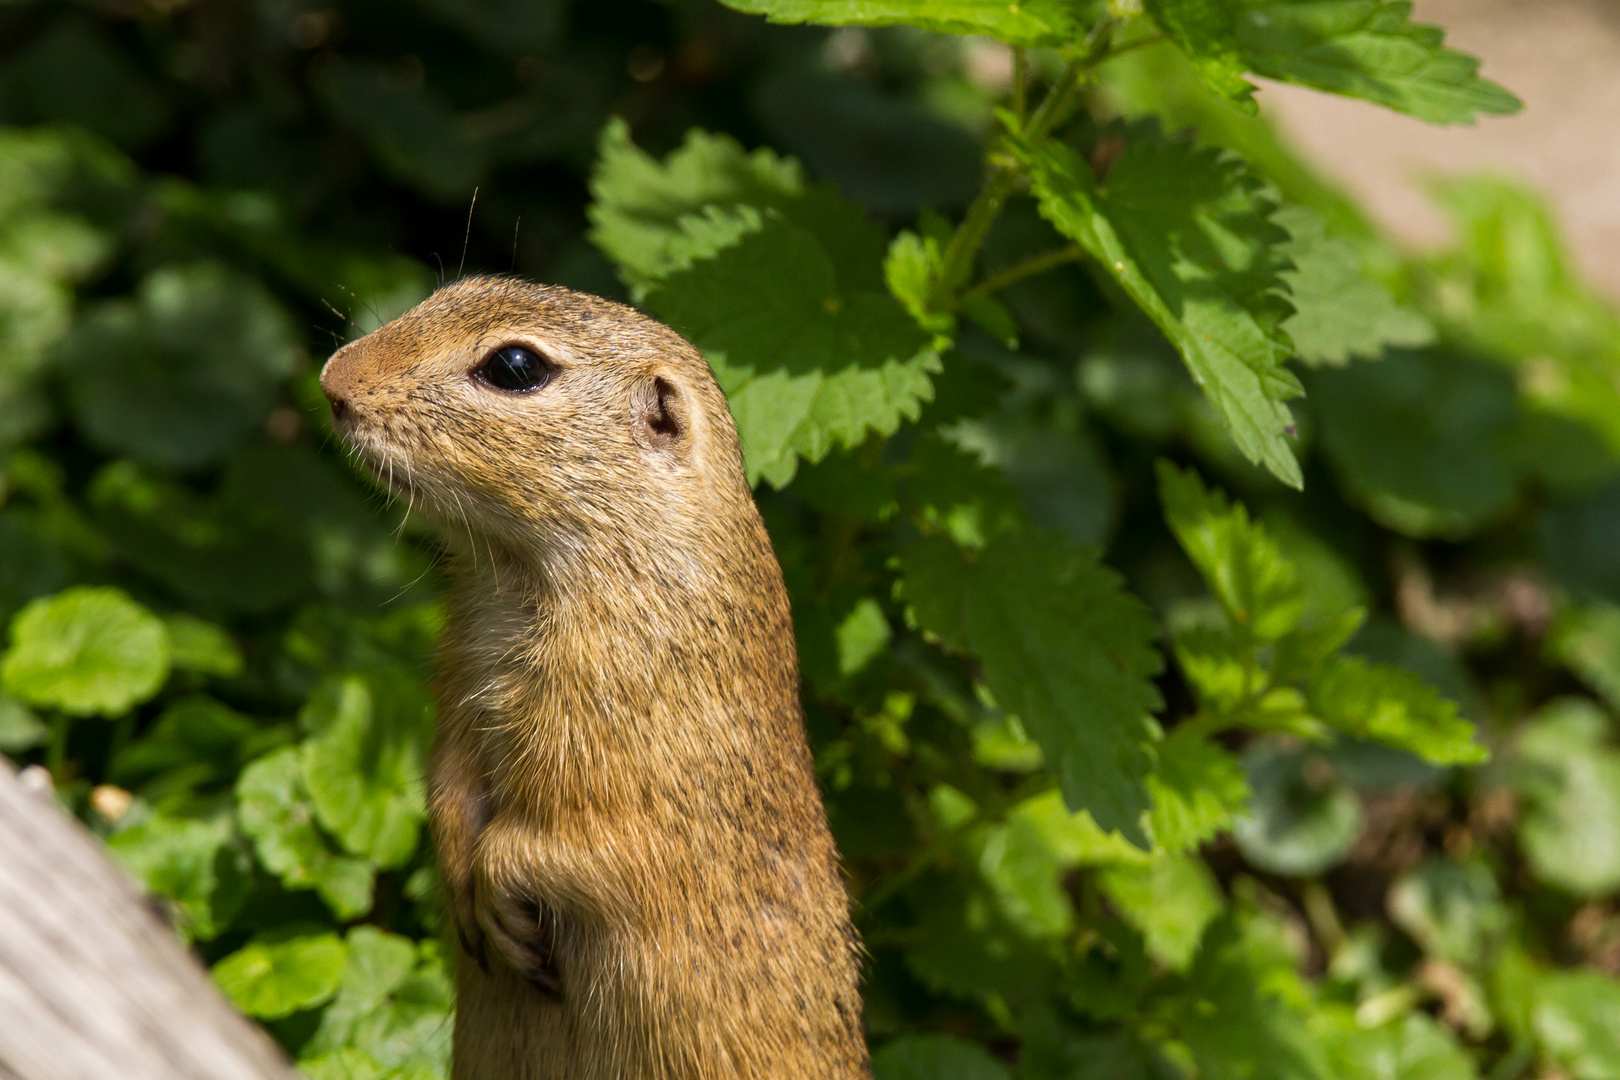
[92, 984]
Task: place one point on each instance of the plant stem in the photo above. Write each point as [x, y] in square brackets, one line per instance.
[1029, 267]
[957, 262]
[1150, 39]
[1020, 83]
[56, 751]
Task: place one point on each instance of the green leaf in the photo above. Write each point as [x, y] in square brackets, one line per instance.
[1064, 647]
[20, 729]
[1512, 288]
[1339, 312]
[1570, 781]
[1187, 234]
[1244, 566]
[85, 651]
[176, 375]
[1413, 1047]
[1233, 1016]
[363, 767]
[1452, 909]
[1576, 1018]
[1302, 820]
[935, 1057]
[1032, 22]
[1587, 640]
[1198, 789]
[1394, 707]
[271, 980]
[1171, 901]
[274, 809]
[807, 362]
[649, 217]
[780, 284]
[192, 862]
[1367, 49]
[199, 646]
[393, 1003]
[1425, 441]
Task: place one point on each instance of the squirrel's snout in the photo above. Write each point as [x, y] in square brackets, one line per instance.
[335, 384]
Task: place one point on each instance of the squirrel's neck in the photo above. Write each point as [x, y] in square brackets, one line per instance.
[598, 676]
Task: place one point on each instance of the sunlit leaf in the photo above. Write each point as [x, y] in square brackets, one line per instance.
[1063, 647]
[275, 979]
[85, 651]
[1187, 234]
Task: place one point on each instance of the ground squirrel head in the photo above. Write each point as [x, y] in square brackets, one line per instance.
[545, 422]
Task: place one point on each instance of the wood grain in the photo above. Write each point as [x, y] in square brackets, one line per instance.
[92, 984]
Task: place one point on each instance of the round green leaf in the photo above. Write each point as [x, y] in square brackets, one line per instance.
[84, 651]
[275, 980]
[1301, 818]
[364, 765]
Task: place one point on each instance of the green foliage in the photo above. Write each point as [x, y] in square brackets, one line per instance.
[1132, 780]
[275, 979]
[86, 651]
[1063, 647]
[1362, 48]
[1187, 234]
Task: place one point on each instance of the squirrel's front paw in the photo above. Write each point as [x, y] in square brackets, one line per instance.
[522, 932]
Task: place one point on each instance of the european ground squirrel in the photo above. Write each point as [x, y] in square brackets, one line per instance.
[632, 844]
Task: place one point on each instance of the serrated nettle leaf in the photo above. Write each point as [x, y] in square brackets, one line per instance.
[1064, 647]
[911, 269]
[654, 218]
[274, 809]
[275, 979]
[86, 651]
[1367, 49]
[1198, 790]
[1243, 565]
[807, 363]
[1239, 1013]
[1031, 22]
[1340, 313]
[1391, 705]
[363, 765]
[1300, 654]
[1219, 666]
[1170, 901]
[1186, 233]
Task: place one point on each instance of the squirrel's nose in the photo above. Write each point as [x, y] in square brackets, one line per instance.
[336, 383]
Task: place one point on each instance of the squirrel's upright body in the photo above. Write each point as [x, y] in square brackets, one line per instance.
[628, 828]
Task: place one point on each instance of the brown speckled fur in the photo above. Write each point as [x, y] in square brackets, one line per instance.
[628, 827]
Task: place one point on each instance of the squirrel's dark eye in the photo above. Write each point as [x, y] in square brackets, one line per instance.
[514, 368]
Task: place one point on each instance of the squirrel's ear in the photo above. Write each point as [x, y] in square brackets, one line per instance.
[662, 422]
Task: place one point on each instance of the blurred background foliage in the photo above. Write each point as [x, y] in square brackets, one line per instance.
[220, 635]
